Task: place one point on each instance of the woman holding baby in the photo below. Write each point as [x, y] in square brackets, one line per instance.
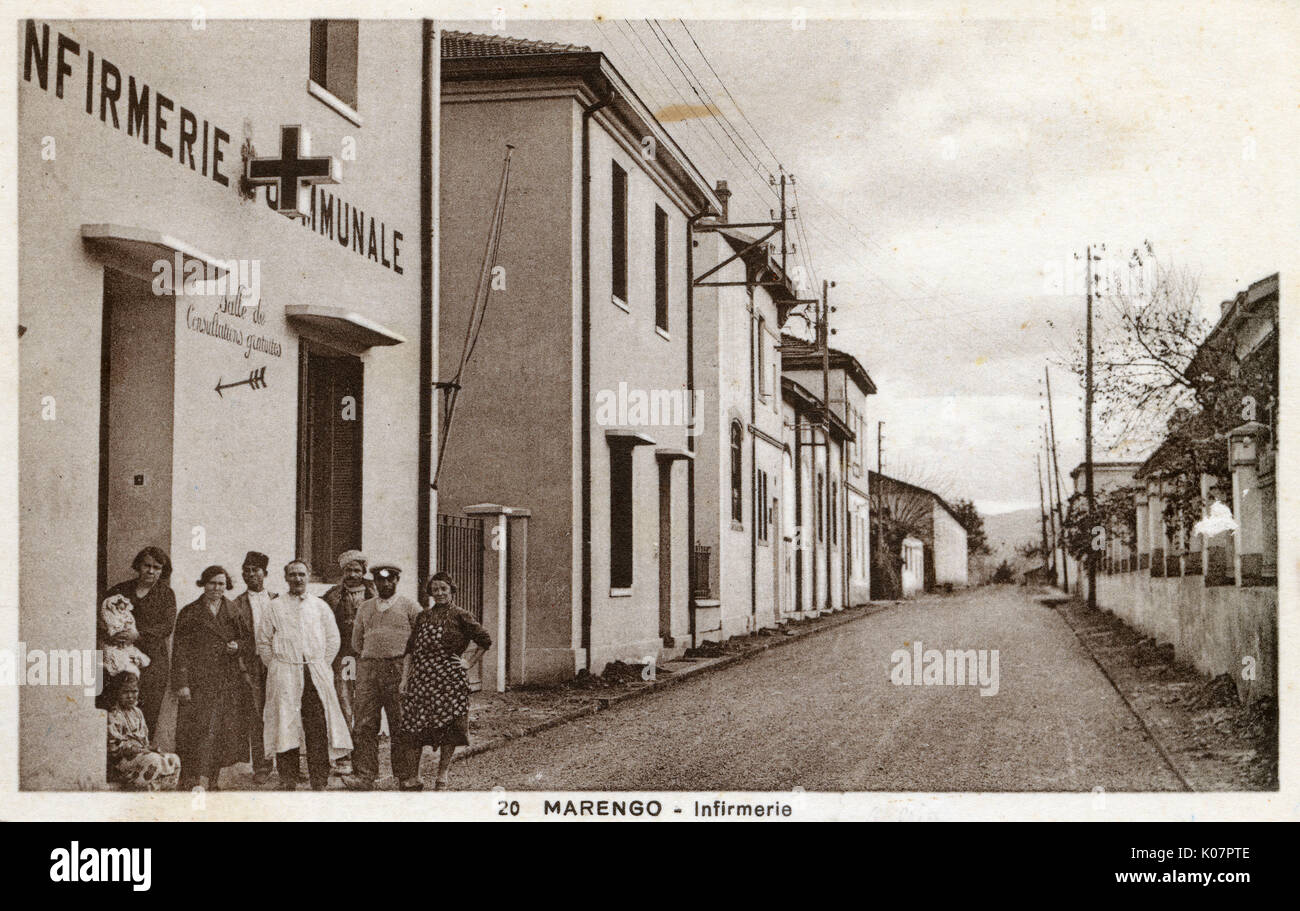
[153, 605]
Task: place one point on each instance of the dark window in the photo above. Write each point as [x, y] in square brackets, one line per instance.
[661, 268]
[620, 517]
[820, 507]
[762, 511]
[618, 233]
[334, 58]
[329, 458]
[762, 356]
[835, 535]
[737, 473]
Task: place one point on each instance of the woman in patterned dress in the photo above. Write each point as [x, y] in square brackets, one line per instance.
[445, 640]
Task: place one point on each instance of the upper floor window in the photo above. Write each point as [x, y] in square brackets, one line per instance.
[834, 523]
[334, 58]
[762, 356]
[618, 233]
[819, 507]
[661, 268]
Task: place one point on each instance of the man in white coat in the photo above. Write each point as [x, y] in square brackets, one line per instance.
[298, 632]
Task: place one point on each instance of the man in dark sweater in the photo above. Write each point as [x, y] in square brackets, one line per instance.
[379, 636]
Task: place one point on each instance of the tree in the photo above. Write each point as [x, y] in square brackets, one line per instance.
[1114, 520]
[1158, 366]
[976, 540]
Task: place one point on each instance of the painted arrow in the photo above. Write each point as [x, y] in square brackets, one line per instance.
[256, 380]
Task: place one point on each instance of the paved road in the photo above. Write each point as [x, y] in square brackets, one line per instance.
[822, 714]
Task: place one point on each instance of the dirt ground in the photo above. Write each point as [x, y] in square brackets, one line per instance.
[1215, 743]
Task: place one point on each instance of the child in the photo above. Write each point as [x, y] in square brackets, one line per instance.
[120, 633]
[130, 758]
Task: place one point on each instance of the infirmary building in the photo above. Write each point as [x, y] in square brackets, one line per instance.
[283, 407]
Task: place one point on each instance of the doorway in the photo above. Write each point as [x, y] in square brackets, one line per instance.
[666, 552]
[137, 394]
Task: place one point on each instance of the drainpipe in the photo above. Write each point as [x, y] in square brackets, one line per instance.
[587, 114]
[696, 427]
[428, 265]
[757, 511]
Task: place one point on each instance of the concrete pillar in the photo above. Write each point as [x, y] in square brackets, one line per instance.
[1248, 502]
[1143, 545]
[505, 591]
[1156, 513]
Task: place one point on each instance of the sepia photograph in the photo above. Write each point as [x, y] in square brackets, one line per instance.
[697, 413]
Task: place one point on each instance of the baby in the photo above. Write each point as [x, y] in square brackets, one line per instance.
[120, 633]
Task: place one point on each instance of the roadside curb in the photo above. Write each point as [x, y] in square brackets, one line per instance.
[1146, 728]
[601, 703]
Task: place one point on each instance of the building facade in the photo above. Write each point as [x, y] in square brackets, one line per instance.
[276, 406]
[577, 404]
[1208, 587]
[815, 479]
[848, 384]
[743, 514]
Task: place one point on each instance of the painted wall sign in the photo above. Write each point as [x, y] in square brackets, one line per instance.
[191, 140]
[185, 134]
[256, 380]
[219, 325]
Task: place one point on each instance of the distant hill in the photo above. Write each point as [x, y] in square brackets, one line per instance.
[1007, 531]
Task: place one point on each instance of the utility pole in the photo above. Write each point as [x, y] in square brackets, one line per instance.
[1042, 508]
[783, 243]
[826, 408]
[1051, 501]
[880, 447]
[1087, 445]
[1060, 514]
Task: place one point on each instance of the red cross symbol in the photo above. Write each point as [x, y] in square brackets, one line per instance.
[294, 168]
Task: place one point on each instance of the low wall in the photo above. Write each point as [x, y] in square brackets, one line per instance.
[1213, 628]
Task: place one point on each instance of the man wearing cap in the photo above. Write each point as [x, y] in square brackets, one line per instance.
[297, 640]
[345, 599]
[379, 636]
[247, 614]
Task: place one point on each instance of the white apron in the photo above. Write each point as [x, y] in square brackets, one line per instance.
[291, 633]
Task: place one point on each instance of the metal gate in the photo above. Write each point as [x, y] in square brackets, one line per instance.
[460, 554]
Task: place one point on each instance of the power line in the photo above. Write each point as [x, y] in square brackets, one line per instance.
[735, 103]
[710, 105]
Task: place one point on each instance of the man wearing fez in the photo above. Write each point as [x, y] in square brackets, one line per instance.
[379, 636]
[345, 599]
[248, 611]
[298, 640]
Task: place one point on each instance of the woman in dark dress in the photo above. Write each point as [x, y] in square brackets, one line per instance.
[154, 606]
[211, 717]
[444, 642]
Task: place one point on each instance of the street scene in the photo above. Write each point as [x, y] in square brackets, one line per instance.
[823, 715]
[797, 404]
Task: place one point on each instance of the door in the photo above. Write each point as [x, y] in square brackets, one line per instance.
[666, 552]
[780, 561]
[135, 453]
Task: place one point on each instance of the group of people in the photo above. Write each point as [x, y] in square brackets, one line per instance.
[263, 678]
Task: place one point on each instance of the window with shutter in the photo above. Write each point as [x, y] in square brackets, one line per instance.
[333, 64]
[329, 458]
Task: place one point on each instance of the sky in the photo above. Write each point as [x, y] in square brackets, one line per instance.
[950, 172]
